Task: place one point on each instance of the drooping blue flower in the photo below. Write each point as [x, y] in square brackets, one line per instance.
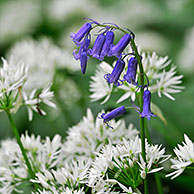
[114, 76]
[77, 37]
[97, 48]
[83, 47]
[113, 114]
[83, 61]
[107, 44]
[117, 49]
[82, 54]
[146, 105]
[130, 75]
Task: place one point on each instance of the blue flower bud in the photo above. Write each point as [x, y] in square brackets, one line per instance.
[82, 54]
[117, 49]
[130, 75]
[107, 44]
[83, 61]
[97, 48]
[146, 105]
[77, 37]
[86, 44]
[113, 114]
[83, 47]
[114, 76]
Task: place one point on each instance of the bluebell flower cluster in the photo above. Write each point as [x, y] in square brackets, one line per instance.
[104, 46]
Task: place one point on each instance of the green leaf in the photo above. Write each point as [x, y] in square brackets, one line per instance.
[157, 111]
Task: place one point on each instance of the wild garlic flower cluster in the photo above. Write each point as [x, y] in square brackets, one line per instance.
[184, 157]
[41, 154]
[122, 164]
[42, 58]
[13, 76]
[90, 135]
[100, 158]
[164, 82]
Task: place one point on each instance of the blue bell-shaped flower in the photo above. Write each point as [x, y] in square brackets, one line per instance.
[146, 105]
[130, 75]
[77, 37]
[107, 44]
[114, 76]
[113, 114]
[97, 48]
[117, 49]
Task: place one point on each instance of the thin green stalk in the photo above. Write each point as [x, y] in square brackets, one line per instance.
[146, 186]
[15, 131]
[142, 125]
[147, 133]
[190, 167]
[156, 175]
[158, 183]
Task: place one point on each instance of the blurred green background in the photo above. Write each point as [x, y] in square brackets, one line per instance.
[164, 26]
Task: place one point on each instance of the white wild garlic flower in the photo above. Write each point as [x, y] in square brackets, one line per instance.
[42, 59]
[184, 157]
[111, 161]
[72, 174]
[164, 82]
[12, 79]
[42, 154]
[90, 135]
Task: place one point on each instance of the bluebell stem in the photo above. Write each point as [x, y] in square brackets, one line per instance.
[130, 75]
[114, 76]
[117, 49]
[97, 48]
[146, 105]
[107, 44]
[113, 114]
[77, 37]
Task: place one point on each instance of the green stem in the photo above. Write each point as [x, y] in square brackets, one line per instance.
[142, 125]
[147, 133]
[15, 131]
[158, 183]
[156, 175]
[146, 186]
[190, 167]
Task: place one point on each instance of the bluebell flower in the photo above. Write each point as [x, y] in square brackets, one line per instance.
[107, 44]
[113, 114]
[114, 76]
[83, 61]
[117, 49]
[97, 48]
[77, 37]
[82, 54]
[130, 75]
[146, 105]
